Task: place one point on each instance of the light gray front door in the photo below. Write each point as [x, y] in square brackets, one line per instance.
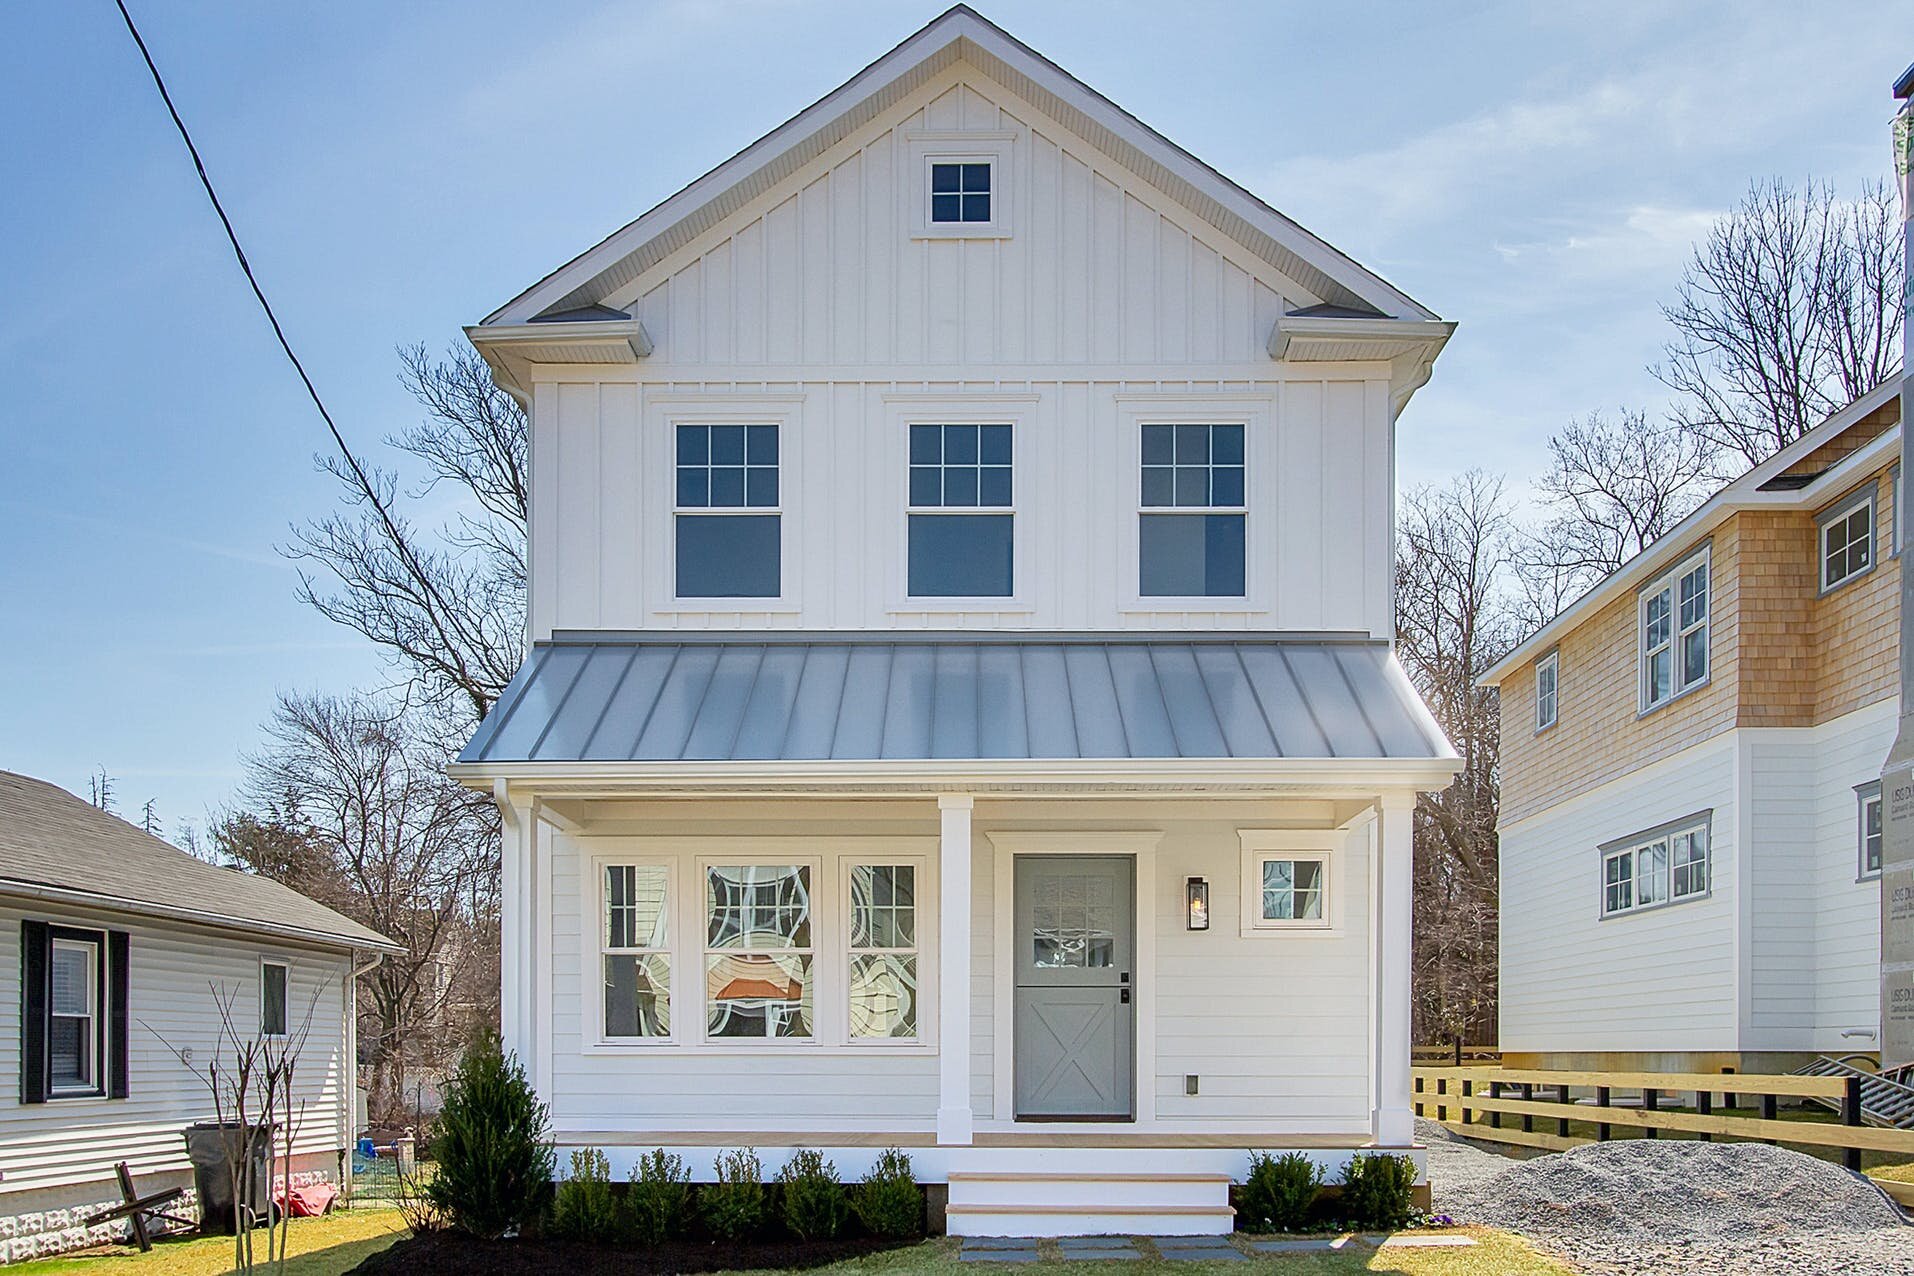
[1075, 940]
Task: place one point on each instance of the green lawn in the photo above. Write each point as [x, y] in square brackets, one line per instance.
[328, 1246]
[318, 1247]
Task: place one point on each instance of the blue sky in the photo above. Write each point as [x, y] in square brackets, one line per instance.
[1537, 172]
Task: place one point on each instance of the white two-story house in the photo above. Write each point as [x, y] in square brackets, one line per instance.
[960, 710]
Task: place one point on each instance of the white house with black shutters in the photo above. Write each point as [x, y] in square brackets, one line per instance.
[117, 951]
[960, 709]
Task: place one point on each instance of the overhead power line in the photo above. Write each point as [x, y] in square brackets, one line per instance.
[439, 609]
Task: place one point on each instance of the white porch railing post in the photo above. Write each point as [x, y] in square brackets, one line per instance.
[1395, 876]
[953, 967]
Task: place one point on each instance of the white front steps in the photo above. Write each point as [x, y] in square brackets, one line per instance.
[1054, 1203]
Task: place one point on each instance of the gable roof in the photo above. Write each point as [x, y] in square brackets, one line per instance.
[961, 34]
[53, 846]
[1765, 486]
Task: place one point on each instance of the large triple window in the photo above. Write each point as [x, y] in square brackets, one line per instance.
[1673, 616]
[883, 951]
[758, 951]
[1191, 539]
[1662, 866]
[728, 542]
[637, 950]
[961, 522]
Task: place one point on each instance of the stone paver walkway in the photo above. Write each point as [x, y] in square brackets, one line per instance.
[1179, 1249]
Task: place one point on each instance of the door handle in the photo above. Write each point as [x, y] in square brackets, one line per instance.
[1124, 977]
[1124, 997]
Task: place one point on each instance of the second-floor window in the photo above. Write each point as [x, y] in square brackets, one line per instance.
[727, 523]
[1547, 689]
[1673, 617]
[961, 521]
[1847, 540]
[1194, 509]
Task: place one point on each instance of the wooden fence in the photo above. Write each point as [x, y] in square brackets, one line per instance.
[1476, 1102]
[1455, 1054]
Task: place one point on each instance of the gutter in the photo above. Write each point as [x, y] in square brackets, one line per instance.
[204, 917]
[1742, 494]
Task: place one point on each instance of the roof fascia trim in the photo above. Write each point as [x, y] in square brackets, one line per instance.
[1742, 494]
[21, 889]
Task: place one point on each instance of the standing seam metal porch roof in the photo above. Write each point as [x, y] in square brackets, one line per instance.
[741, 698]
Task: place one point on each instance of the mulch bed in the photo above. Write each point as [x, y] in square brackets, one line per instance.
[452, 1252]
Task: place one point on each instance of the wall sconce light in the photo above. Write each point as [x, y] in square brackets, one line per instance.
[1198, 892]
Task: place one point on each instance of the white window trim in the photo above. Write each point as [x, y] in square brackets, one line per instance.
[1261, 571]
[1894, 510]
[1866, 795]
[1868, 495]
[995, 147]
[595, 916]
[927, 914]
[96, 1016]
[659, 457]
[904, 410]
[1553, 663]
[282, 964]
[1700, 822]
[1258, 845]
[829, 858]
[1671, 582]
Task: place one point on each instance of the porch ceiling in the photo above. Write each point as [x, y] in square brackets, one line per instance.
[959, 700]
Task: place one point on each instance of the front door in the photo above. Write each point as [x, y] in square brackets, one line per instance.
[1075, 1015]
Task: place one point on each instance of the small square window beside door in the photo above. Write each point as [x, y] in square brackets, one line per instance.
[960, 193]
[1191, 524]
[1292, 892]
[272, 999]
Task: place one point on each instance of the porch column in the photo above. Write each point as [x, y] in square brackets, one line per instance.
[1395, 1115]
[513, 922]
[953, 972]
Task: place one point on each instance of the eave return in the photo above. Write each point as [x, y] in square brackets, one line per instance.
[767, 698]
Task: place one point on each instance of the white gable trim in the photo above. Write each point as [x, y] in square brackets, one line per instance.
[958, 34]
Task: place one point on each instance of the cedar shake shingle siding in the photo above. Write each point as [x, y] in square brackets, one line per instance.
[1781, 654]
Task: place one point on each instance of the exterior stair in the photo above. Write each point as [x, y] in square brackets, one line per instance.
[1056, 1203]
[1885, 1101]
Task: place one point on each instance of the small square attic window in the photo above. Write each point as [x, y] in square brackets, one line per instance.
[960, 193]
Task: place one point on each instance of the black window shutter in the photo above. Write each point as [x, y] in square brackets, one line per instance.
[35, 947]
[116, 984]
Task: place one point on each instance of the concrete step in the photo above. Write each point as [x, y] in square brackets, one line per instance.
[1039, 1203]
[1011, 1189]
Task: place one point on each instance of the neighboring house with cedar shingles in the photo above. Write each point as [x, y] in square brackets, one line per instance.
[1690, 828]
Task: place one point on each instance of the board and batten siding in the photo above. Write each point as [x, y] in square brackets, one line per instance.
[1664, 979]
[1228, 1008]
[74, 1143]
[817, 308]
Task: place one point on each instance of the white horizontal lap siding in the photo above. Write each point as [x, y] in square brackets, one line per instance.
[172, 971]
[1275, 1028]
[675, 1087]
[1850, 750]
[1661, 979]
[820, 306]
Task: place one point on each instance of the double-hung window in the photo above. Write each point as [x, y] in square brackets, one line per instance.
[1191, 538]
[1673, 619]
[883, 951]
[1662, 866]
[637, 951]
[1547, 689]
[961, 524]
[727, 521]
[273, 979]
[758, 951]
[73, 1018]
[1847, 539]
[1868, 796]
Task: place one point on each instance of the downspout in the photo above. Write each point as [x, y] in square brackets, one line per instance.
[349, 1118]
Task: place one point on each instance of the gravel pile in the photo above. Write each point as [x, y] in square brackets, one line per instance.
[1652, 1206]
[1456, 1168]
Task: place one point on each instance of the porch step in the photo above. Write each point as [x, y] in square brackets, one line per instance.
[1038, 1203]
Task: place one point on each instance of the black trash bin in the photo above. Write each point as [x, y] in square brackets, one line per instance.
[213, 1146]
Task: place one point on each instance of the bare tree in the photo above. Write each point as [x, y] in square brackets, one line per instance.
[99, 790]
[1611, 490]
[1790, 309]
[446, 602]
[1456, 615]
[349, 804]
